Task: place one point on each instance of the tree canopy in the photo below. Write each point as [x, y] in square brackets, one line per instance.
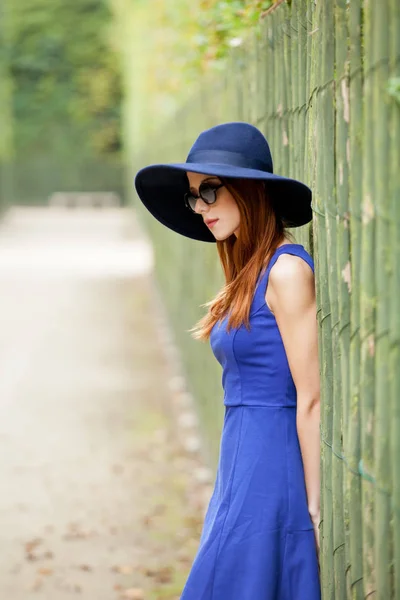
[65, 75]
[221, 25]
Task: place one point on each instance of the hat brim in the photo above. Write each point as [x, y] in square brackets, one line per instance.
[161, 188]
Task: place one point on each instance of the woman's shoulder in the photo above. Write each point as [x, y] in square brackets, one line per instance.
[291, 273]
[291, 279]
[290, 259]
[292, 267]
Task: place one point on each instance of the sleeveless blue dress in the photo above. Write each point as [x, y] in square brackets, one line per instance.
[257, 541]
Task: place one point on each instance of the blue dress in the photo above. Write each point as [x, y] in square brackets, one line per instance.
[257, 541]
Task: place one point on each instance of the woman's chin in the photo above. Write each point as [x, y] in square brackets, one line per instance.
[222, 238]
[224, 235]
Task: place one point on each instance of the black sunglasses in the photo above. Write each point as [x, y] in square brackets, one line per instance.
[207, 192]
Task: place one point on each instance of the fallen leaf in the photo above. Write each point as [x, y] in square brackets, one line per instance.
[70, 587]
[123, 569]
[145, 569]
[86, 567]
[146, 520]
[77, 532]
[133, 594]
[164, 575]
[184, 558]
[45, 571]
[32, 544]
[30, 556]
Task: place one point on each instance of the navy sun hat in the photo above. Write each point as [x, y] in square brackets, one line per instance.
[235, 150]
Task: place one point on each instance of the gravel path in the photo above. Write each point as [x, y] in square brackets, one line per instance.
[101, 497]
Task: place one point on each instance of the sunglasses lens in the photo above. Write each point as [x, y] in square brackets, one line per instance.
[190, 201]
[207, 193]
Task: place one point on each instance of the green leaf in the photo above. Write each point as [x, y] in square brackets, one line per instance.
[393, 88]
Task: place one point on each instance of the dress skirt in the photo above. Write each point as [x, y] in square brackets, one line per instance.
[258, 541]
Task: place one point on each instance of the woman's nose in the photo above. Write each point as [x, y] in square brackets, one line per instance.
[201, 206]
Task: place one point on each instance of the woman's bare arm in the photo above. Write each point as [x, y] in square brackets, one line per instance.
[291, 297]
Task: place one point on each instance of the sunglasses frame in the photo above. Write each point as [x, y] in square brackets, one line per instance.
[211, 186]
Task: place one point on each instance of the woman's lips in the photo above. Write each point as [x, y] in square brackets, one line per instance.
[211, 223]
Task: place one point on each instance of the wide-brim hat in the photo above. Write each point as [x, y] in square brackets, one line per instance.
[235, 150]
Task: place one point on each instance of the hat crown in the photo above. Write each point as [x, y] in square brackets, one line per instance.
[239, 144]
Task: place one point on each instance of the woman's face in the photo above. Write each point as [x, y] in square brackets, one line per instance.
[222, 217]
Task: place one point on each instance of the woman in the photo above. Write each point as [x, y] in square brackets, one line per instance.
[260, 535]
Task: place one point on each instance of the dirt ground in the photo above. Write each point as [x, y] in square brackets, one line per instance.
[103, 487]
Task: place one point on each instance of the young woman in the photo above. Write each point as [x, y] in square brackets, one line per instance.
[260, 536]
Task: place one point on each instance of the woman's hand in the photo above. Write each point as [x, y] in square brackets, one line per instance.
[315, 518]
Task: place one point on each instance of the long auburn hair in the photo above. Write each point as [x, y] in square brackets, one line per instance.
[243, 258]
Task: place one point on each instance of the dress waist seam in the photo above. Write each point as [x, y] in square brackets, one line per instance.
[260, 405]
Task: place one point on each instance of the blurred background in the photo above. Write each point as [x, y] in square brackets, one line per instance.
[61, 100]
[107, 463]
[110, 412]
